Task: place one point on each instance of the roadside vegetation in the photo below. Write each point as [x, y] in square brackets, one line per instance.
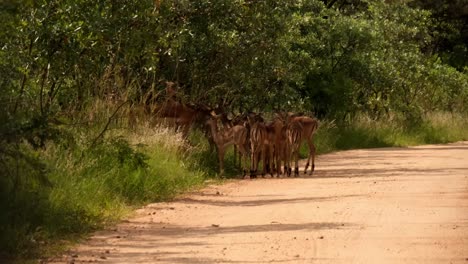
[79, 148]
[364, 132]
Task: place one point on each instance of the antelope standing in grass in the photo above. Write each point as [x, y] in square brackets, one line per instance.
[237, 120]
[179, 114]
[223, 138]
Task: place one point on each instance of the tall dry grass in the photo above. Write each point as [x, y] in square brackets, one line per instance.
[365, 132]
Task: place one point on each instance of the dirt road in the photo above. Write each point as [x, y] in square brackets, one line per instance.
[400, 205]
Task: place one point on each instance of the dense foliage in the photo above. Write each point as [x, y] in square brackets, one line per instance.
[68, 66]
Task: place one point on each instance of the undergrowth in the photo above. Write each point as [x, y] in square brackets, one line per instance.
[363, 132]
[90, 187]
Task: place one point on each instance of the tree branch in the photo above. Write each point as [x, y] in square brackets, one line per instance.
[93, 143]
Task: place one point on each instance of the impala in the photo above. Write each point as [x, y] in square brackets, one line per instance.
[183, 116]
[223, 138]
[269, 148]
[309, 127]
[279, 142]
[257, 146]
[294, 131]
[238, 120]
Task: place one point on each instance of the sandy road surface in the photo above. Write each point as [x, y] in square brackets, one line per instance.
[396, 205]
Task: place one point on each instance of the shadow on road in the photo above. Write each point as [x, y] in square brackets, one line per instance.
[150, 236]
[258, 202]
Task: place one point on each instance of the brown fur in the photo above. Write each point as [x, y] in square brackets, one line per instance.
[235, 135]
[309, 127]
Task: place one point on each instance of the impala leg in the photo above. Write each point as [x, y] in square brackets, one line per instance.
[244, 166]
[252, 174]
[183, 126]
[287, 165]
[267, 161]
[243, 160]
[286, 161]
[262, 158]
[283, 161]
[290, 164]
[253, 161]
[252, 155]
[221, 162]
[313, 160]
[273, 162]
[296, 164]
[235, 155]
[238, 156]
[278, 162]
[310, 145]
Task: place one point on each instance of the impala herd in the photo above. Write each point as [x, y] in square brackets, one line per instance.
[274, 144]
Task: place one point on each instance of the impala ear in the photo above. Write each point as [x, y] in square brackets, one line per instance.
[214, 115]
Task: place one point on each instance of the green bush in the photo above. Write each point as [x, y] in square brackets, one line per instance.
[90, 187]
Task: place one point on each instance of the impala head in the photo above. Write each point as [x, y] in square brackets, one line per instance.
[254, 118]
[212, 118]
[282, 115]
[171, 89]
